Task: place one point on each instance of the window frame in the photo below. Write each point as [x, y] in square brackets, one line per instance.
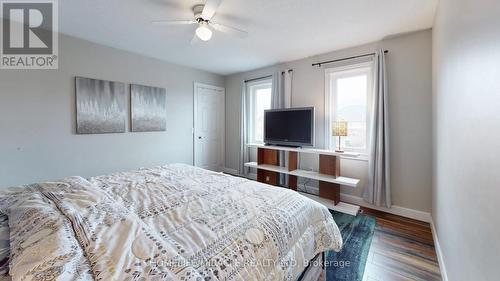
[251, 89]
[331, 142]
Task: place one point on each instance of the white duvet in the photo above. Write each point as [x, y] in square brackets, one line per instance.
[174, 222]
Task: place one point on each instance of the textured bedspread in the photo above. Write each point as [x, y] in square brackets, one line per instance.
[174, 222]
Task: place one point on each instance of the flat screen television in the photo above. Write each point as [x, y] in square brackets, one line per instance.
[289, 126]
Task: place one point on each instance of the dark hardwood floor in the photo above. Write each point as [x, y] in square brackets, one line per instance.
[402, 249]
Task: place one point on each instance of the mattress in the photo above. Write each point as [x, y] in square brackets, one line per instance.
[174, 222]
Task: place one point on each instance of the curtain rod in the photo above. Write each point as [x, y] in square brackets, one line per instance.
[259, 78]
[264, 77]
[349, 58]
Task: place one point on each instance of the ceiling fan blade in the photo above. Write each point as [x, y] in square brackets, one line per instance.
[210, 8]
[229, 30]
[172, 22]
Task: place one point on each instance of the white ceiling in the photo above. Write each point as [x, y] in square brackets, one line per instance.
[279, 30]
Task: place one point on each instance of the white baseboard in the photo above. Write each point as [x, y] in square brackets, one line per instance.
[439, 252]
[230, 171]
[395, 210]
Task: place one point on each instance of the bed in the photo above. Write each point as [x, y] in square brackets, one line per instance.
[174, 222]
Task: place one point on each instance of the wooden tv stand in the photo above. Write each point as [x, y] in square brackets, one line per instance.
[269, 169]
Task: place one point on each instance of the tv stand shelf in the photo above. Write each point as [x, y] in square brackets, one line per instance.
[269, 168]
[305, 174]
[306, 150]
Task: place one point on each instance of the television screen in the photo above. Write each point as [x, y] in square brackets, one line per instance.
[290, 126]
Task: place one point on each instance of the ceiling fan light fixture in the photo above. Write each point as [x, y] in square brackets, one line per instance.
[203, 32]
[203, 14]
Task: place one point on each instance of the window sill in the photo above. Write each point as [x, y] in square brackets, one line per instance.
[362, 157]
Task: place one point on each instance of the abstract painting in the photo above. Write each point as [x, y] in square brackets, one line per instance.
[149, 108]
[100, 106]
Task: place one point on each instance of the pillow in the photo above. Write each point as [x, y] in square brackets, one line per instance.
[4, 246]
[42, 241]
[5, 235]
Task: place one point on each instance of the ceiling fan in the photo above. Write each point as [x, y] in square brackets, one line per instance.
[203, 14]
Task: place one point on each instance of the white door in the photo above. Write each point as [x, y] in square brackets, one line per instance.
[209, 123]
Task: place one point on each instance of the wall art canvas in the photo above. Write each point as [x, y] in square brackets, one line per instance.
[100, 106]
[149, 108]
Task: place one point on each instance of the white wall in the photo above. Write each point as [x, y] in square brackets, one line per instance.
[466, 125]
[37, 116]
[409, 69]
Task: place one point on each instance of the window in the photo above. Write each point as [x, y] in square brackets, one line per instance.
[348, 98]
[259, 99]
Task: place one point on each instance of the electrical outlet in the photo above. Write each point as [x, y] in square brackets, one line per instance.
[267, 178]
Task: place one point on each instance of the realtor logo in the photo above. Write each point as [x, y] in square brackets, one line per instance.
[29, 35]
